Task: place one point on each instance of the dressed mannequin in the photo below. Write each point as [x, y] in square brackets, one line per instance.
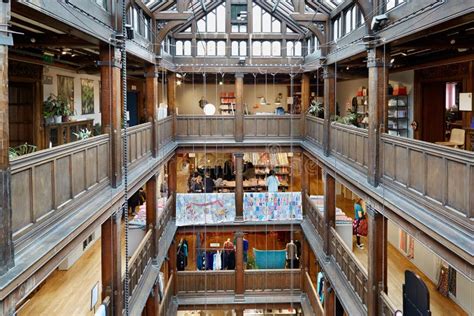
[291, 255]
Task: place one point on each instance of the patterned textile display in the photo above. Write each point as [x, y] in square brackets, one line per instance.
[265, 206]
[204, 208]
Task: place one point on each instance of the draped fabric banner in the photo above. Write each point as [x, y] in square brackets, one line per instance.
[204, 208]
[278, 206]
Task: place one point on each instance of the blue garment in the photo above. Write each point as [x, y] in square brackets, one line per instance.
[358, 208]
[246, 245]
[272, 184]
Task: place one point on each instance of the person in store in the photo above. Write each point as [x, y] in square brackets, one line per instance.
[202, 102]
[182, 255]
[272, 182]
[291, 255]
[359, 226]
[249, 171]
[197, 186]
[208, 183]
[164, 186]
[229, 255]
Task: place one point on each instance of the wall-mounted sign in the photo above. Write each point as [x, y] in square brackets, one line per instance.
[465, 101]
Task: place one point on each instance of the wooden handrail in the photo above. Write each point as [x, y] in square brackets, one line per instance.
[140, 247]
[310, 290]
[167, 296]
[386, 305]
[360, 266]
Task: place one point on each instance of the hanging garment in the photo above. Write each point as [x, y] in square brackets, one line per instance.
[217, 261]
[200, 260]
[452, 280]
[180, 263]
[320, 286]
[209, 260]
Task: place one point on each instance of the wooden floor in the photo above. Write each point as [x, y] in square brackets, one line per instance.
[68, 292]
[396, 265]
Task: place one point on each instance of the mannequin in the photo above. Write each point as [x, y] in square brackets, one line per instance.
[291, 255]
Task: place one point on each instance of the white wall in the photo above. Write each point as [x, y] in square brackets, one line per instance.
[53, 88]
[429, 263]
[187, 97]
[346, 90]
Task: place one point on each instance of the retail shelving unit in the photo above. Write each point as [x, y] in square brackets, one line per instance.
[398, 115]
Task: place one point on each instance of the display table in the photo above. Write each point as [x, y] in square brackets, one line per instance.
[343, 222]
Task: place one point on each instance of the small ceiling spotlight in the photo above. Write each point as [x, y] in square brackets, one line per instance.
[178, 82]
[452, 42]
[33, 40]
[392, 60]
[221, 83]
[347, 68]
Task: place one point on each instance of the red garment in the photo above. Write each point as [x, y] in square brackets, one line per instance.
[360, 227]
[228, 246]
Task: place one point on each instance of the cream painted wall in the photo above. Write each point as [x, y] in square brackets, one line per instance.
[428, 262]
[346, 90]
[53, 88]
[188, 97]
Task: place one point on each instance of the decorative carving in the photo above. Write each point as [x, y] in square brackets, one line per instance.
[452, 70]
[25, 70]
[374, 59]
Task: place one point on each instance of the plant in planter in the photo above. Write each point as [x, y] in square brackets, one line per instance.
[316, 109]
[352, 118]
[63, 109]
[50, 109]
[14, 152]
[83, 134]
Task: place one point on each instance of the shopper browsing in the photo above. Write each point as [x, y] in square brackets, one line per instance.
[359, 226]
[208, 183]
[272, 182]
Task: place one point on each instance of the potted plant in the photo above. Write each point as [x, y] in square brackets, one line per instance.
[83, 134]
[63, 110]
[49, 109]
[316, 109]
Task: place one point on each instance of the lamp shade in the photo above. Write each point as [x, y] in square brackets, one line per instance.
[209, 109]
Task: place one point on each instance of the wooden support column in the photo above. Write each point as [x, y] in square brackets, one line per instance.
[239, 265]
[171, 94]
[329, 208]
[172, 270]
[305, 95]
[377, 258]
[329, 300]
[151, 103]
[151, 212]
[467, 115]
[378, 80]
[239, 311]
[239, 112]
[304, 260]
[6, 241]
[152, 307]
[112, 263]
[329, 105]
[239, 185]
[111, 108]
[305, 174]
[172, 175]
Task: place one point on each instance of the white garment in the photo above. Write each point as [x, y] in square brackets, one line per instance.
[217, 265]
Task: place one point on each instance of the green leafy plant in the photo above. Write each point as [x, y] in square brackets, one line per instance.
[352, 118]
[316, 109]
[83, 134]
[14, 152]
[97, 129]
[251, 263]
[50, 106]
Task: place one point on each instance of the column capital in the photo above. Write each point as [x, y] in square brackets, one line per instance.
[239, 234]
[375, 58]
[328, 72]
[238, 155]
[371, 210]
[239, 75]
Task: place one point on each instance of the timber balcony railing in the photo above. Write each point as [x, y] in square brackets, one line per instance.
[206, 281]
[314, 215]
[350, 144]
[313, 296]
[167, 297]
[164, 131]
[164, 218]
[139, 143]
[387, 308]
[435, 173]
[223, 127]
[256, 281]
[272, 126]
[349, 265]
[315, 129]
[46, 182]
[139, 261]
[194, 127]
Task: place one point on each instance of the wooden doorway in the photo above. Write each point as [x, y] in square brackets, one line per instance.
[433, 110]
[21, 108]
